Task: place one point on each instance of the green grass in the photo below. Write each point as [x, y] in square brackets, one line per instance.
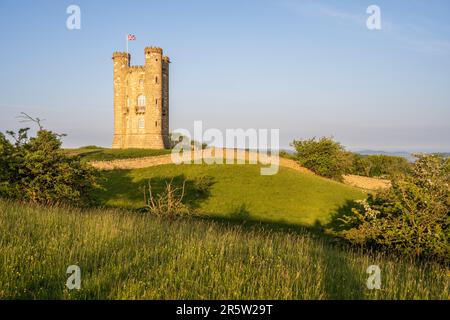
[239, 191]
[124, 255]
[93, 153]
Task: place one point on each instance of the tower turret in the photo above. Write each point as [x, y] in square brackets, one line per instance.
[154, 88]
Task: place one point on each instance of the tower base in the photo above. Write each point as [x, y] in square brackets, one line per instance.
[141, 141]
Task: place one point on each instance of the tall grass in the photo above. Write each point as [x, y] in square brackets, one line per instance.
[125, 255]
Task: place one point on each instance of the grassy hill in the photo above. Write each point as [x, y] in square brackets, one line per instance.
[238, 191]
[124, 255]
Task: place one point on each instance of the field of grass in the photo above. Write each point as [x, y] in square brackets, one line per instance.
[238, 191]
[104, 154]
[126, 255]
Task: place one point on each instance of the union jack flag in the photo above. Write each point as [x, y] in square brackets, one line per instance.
[131, 37]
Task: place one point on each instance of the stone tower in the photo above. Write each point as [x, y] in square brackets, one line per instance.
[141, 101]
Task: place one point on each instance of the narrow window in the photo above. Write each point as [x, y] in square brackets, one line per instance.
[156, 123]
[156, 79]
[141, 103]
[141, 124]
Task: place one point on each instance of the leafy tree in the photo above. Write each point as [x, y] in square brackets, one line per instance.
[324, 156]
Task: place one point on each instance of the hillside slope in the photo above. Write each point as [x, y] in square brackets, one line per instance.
[238, 191]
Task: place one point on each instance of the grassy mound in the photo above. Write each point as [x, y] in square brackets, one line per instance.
[130, 256]
[93, 153]
[238, 191]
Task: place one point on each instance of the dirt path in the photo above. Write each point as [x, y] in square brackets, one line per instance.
[366, 183]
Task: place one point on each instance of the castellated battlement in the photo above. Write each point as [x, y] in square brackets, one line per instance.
[141, 101]
[153, 50]
[118, 54]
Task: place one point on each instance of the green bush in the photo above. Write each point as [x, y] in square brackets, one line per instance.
[379, 165]
[36, 170]
[325, 157]
[7, 165]
[412, 217]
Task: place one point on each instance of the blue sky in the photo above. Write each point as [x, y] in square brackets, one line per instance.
[309, 68]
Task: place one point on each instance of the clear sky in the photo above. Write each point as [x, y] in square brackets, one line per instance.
[309, 68]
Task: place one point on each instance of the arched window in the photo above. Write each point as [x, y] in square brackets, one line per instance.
[141, 103]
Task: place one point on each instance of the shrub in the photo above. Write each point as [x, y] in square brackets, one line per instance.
[325, 156]
[36, 170]
[7, 166]
[169, 203]
[379, 165]
[412, 217]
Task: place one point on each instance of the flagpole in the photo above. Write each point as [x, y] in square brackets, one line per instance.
[127, 42]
